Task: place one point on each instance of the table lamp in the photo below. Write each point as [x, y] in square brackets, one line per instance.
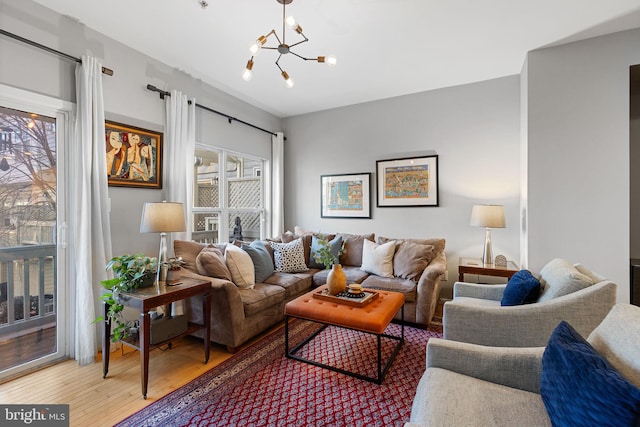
[488, 216]
[162, 217]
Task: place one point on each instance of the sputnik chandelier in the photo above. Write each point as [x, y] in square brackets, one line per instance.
[283, 48]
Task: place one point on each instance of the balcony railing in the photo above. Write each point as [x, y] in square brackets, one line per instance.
[27, 288]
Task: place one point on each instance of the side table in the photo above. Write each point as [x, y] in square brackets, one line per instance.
[146, 299]
[476, 266]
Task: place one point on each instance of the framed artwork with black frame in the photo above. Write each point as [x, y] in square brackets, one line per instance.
[407, 182]
[345, 196]
[134, 156]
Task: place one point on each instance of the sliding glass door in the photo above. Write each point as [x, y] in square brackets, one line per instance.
[32, 263]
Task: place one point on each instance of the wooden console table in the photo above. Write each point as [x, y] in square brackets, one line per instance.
[476, 266]
[146, 299]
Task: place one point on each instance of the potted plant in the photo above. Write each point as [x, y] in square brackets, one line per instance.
[131, 272]
[336, 279]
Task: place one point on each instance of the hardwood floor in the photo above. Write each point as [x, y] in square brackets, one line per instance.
[94, 401]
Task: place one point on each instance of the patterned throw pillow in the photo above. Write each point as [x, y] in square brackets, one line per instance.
[289, 257]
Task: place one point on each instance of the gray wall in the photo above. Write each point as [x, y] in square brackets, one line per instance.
[634, 164]
[126, 99]
[475, 131]
[578, 154]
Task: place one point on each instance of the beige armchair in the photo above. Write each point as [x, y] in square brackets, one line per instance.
[476, 316]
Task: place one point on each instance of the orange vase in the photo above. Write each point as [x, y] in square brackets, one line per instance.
[336, 280]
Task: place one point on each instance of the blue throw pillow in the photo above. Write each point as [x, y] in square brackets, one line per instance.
[334, 245]
[262, 261]
[522, 288]
[579, 387]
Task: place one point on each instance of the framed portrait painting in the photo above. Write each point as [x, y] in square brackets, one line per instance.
[345, 196]
[407, 182]
[134, 156]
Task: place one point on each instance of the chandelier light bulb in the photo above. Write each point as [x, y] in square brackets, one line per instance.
[331, 60]
[256, 46]
[291, 21]
[247, 74]
[289, 82]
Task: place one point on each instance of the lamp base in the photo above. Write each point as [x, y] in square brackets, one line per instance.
[487, 256]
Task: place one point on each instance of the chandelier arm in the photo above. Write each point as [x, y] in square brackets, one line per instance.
[277, 60]
[300, 42]
[302, 57]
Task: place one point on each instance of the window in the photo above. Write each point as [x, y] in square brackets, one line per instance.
[228, 197]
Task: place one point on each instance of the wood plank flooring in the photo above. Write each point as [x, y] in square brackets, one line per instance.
[94, 401]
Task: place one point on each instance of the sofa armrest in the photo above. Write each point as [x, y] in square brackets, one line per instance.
[474, 290]
[227, 310]
[528, 325]
[428, 289]
[517, 367]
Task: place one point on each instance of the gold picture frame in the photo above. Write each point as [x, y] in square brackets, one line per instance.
[134, 156]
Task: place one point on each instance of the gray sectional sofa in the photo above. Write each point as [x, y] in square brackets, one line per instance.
[240, 313]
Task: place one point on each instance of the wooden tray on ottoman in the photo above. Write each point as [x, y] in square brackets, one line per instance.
[367, 297]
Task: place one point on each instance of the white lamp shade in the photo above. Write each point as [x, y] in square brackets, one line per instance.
[162, 217]
[490, 216]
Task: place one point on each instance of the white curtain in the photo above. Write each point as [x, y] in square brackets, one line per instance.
[277, 184]
[91, 240]
[180, 142]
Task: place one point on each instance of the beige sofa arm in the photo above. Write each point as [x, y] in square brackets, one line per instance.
[474, 290]
[530, 325]
[428, 289]
[227, 311]
[518, 367]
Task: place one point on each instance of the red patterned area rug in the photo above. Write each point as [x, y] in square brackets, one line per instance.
[259, 386]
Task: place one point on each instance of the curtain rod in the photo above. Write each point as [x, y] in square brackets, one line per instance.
[107, 71]
[211, 110]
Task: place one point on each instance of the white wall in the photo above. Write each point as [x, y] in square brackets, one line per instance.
[475, 131]
[578, 154]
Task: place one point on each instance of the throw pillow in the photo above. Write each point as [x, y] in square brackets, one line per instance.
[262, 262]
[289, 257]
[334, 246]
[580, 387]
[559, 277]
[288, 237]
[411, 259]
[353, 248]
[210, 262]
[522, 288]
[241, 267]
[378, 259]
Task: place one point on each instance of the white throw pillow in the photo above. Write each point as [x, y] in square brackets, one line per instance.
[241, 267]
[378, 259]
[560, 277]
[289, 257]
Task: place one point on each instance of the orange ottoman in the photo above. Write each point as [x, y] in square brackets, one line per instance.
[372, 318]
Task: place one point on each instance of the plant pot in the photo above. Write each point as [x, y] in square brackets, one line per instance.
[336, 280]
[148, 280]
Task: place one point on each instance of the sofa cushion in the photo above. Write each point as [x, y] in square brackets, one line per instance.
[395, 284]
[595, 277]
[411, 259]
[353, 274]
[378, 259]
[210, 262]
[559, 277]
[294, 284]
[289, 257]
[188, 251]
[438, 244]
[522, 288]
[335, 246]
[447, 398]
[580, 387]
[261, 297]
[261, 258]
[241, 267]
[353, 248]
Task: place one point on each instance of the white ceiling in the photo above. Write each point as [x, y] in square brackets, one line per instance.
[385, 48]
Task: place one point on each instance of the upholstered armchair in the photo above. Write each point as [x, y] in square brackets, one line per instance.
[467, 384]
[570, 292]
